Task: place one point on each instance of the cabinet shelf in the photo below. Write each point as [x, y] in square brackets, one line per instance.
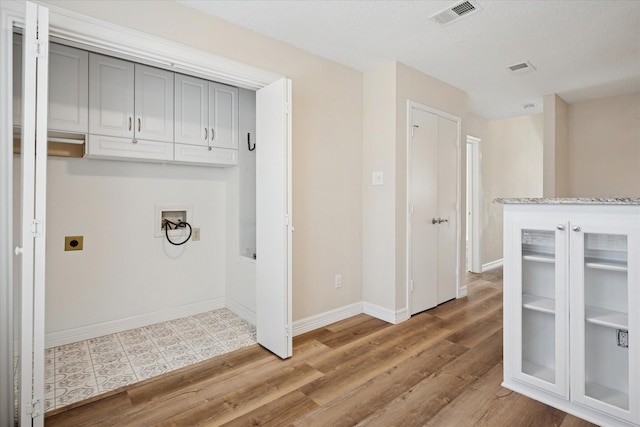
[608, 318]
[539, 257]
[600, 264]
[607, 395]
[536, 303]
[541, 372]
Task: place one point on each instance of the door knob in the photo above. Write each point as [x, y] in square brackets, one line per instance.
[18, 250]
[438, 220]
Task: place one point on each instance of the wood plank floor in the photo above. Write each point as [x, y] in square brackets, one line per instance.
[442, 367]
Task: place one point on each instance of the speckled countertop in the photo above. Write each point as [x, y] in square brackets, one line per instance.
[570, 201]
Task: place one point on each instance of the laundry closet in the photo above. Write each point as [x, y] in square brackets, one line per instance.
[151, 194]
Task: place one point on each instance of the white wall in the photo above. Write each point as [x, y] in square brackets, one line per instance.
[124, 270]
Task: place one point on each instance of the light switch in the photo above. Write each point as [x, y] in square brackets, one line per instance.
[377, 178]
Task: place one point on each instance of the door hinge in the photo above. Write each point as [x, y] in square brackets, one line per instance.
[34, 408]
[40, 50]
[36, 228]
[286, 108]
[413, 128]
[286, 220]
[286, 330]
[411, 208]
[411, 285]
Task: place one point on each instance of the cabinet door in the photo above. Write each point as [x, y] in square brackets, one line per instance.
[153, 103]
[111, 96]
[536, 347]
[17, 80]
[191, 110]
[199, 155]
[605, 317]
[68, 89]
[223, 116]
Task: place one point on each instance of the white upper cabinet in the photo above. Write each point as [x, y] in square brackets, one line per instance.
[130, 100]
[223, 116]
[192, 110]
[206, 113]
[111, 96]
[68, 89]
[153, 104]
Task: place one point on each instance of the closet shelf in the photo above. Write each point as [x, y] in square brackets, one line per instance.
[608, 395]
[538, 371]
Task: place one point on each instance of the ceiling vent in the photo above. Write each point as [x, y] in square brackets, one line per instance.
[457, 11]
[521, 68]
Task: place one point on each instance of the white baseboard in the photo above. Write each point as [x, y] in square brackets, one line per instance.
[492, 265]
[82, 333]
[328, 317]
[462, 291]
[241, 310]
[385, 314]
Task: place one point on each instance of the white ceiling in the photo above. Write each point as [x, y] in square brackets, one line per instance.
[581, 49]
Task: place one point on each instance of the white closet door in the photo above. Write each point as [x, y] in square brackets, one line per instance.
[273, 217]
[154, 104]
[34, 178]
[111, 96]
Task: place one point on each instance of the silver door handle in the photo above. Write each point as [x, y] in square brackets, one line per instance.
[206, 134]
[130, 122]
[139, 124]
[438, 220]
[213, 134]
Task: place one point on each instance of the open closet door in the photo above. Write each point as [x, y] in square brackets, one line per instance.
[34, 178]
[273, 217]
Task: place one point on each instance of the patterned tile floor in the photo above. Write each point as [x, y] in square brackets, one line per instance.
[80, 370]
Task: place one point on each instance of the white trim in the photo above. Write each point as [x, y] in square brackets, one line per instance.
[462, 291]
[128, 43]
[67, 336]
[476, 209]
[241, 310]
[416, 105]
[328, 317]
[492, 265]
[385, 314]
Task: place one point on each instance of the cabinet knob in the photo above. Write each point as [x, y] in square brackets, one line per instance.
[576, 228]
[134, 141]
[209, 148]
[560, 227]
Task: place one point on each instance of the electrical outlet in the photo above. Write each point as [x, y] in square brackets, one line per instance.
[623, 338]
[338, 281]
[196, 235]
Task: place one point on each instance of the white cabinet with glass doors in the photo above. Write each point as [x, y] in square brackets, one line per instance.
[572, 308]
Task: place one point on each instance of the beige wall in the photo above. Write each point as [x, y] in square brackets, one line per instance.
[327, 140]
[511, 166]
[604, 142]
[386, 91]
[556, 147]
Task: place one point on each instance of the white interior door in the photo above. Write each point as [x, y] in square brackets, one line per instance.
[273, 217]
[34, 178]
[433, 218]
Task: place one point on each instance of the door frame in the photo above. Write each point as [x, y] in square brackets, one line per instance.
[411, 105]
[475, 181]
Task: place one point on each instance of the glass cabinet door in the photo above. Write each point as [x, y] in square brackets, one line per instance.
[543, 312]
[604, 290]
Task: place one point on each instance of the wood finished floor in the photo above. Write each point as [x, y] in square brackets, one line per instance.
[442, 367]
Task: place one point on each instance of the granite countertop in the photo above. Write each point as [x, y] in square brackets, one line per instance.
[570, 201]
